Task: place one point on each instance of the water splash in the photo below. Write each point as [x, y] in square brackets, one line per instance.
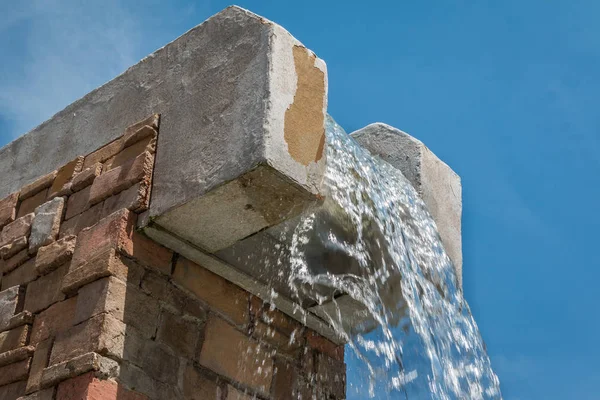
[375, 241]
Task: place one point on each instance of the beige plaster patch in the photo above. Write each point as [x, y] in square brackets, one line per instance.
[304, 129]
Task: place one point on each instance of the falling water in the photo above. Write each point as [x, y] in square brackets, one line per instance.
[375, 241]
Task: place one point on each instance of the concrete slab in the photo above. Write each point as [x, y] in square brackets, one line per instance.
[437, 184]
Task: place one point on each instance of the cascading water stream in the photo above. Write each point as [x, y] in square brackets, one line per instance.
[375, 241]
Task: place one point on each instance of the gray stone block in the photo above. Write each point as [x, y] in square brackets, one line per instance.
[9, 299]
[46, 224]
[437, 184]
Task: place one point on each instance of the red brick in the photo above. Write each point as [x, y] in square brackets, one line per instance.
[15, 261]
[64, 176]
[79, 222]
[86, 177]
[136, 199]
[38, 363]
[57, 318]
[46, 394]
[112, 232]
[16, 229]
[88, 387]
[55, 254]
[78, 202]
[128, 153]
[37, 186]
[106, 264]
[219, 294]
[122, 177]
[331, 376]
[20, 275]
[228, 352]
[196, 386]
[14, 372]
[14, 338]
[8, 209]
[57, 373]
[45, 290]
[149, 253]
[124, 302]
[101, 334]
[31, 203]
[103, 153]
[319, 343]
[12, 391]
[284, 345]
[179, 333]
[234, 394]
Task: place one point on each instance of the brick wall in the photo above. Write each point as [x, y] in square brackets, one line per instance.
[92, 309]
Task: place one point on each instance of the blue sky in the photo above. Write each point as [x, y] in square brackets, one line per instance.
[505, 92]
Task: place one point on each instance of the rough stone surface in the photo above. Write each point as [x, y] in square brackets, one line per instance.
[64, 176]
[86, 177]
[37, 186]
[15, 261]
[31, 203]
[8, 210]
[13, 339]
[16, 355]
[17, 229]
[56, 319]
[9, 299]
[38, 364]
[13, 248]
[45, 291]
[46, 394]
[20, 275]
[439, 186]
[197, 386]
[12, 391]
[46, 224]
[77, 366]
[14, 372]
[55, 254]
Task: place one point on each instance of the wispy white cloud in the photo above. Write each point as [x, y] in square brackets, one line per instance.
[67, 48]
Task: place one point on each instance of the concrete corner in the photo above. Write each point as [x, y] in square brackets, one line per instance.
[437, 184]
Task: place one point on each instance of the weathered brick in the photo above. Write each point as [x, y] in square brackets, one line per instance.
[324, 345]
[20, 275]
[14, 248]
[171, 297]
[8, 209]
[12, 391]
[38, 364]
[55, 254]
[31, 203]
[37, 186]
[106, 264]
[133, 134]
[16, 229]
[13, 339]
[88, 387]
[331, 375]
[234, 394]
[78, 202]
[9, 299]
[46, 394]
[124, 302]
[160, 363]
[103, 153]
[45, 291]
[179, 333]
[86, 177]
[137, 379]
[275, 318]
[196, 386]
[113, 232]
[219, 294]
[16, 355]
[15, 261]
[133, 150]
[64, 176]
[149, 253]
[101, 334]
[45, 226]
[121, 178]
[136, 199]
[57, 318]
[284, 344]
[20, 319]
[228, 352]
[79, 222]
[103, 367]
[14, 372]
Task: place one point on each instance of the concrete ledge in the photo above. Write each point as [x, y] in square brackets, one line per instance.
[437, 184]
